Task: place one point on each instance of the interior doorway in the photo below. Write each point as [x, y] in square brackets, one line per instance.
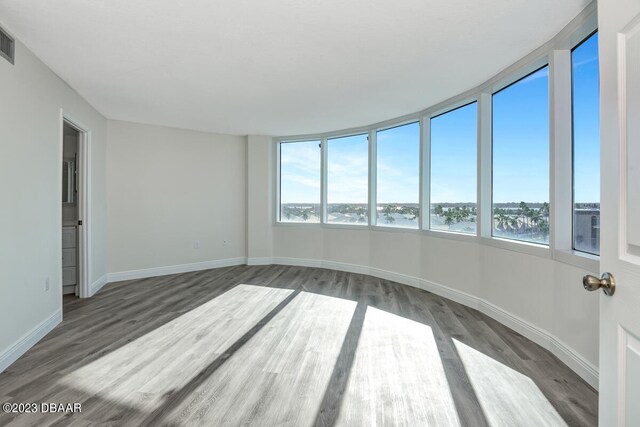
[70, 210]
[74, 199]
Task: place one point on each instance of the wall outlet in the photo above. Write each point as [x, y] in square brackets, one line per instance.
[224, 242]
[47, 285]
[196, 244]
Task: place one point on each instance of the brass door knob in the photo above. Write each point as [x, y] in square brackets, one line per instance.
[607, 283]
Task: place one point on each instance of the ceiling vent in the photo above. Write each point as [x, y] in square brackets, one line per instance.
[7, 46]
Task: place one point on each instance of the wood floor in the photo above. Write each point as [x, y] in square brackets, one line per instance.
[276, 345]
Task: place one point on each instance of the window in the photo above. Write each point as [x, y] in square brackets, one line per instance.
[398, 176]
[586, 146]
[348, 180]
[521, 159]
[300, 181]
[454, 139]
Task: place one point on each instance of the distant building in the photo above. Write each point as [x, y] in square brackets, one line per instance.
[586, 228]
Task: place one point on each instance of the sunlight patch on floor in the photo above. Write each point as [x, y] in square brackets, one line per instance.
[278, 377]
[397, 357]
[139, 373]
[507, 397]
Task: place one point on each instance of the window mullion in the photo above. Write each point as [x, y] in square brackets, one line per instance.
[425, 174]
[323, 180]
[373, 177]
[485, 214]
[560, 151]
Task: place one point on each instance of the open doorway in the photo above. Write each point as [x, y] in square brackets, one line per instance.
[70, 214]
[74, 170]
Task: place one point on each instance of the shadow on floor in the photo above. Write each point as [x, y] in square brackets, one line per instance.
[92, 329]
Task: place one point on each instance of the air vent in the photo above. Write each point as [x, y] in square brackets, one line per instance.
[7, 46]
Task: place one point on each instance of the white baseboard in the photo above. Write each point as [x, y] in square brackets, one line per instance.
[173, 269]
[97, 285]
[585, 369]
[545, 339]
[19, 348]
[258, 261]
[575, 361]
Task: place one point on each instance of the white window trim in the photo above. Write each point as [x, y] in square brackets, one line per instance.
[427, 137]
[557, 54]
[373, 189]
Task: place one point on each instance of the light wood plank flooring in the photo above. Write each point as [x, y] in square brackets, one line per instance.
[277, 345]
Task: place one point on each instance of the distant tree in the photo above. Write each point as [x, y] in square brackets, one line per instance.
[388, 211]
[544, 227]
[544, 210]
[502, 219]
[513, 222]
[466, 213]
[524, 213]
[438, 210]
[448, 218]
[535, 217]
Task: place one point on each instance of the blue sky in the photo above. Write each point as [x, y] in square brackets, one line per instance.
[453, 155]
[300, 172]
[398, 157]
[347, 171]
[520, 149]
[521, 140]
[586, 122]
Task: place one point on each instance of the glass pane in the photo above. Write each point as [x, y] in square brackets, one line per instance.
[521, 159]
[454, 141]
[348, 180]
[300, 181]
[398, 172]
[586, 147]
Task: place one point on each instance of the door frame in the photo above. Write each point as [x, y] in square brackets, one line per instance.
[84, 200]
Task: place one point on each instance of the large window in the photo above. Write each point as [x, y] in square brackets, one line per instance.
[398, 176]
[329, 180]
[454, 139]
[586, 147]
[300, 181]
[521, 159]
[348, 180]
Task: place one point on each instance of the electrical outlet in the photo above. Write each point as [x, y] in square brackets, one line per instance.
[46, 284]
[196, 244]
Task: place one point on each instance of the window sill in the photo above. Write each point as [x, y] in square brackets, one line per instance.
[451, 235]
[528, 248]
[297, 224]
[385, 228]
[583, 260]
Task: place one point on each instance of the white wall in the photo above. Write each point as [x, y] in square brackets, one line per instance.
[168, 188]
[259, 198]
[31, 196]
[544, 293]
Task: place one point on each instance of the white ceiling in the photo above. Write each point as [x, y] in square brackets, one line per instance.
[278, 67]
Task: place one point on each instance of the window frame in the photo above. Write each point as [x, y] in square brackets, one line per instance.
[278, 181]
[573, 157]
[545, 64]
[429, 179]
[324, 173]
[556, 55]
[373, 183]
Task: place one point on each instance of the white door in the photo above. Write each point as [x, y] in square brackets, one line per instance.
[619, 38]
